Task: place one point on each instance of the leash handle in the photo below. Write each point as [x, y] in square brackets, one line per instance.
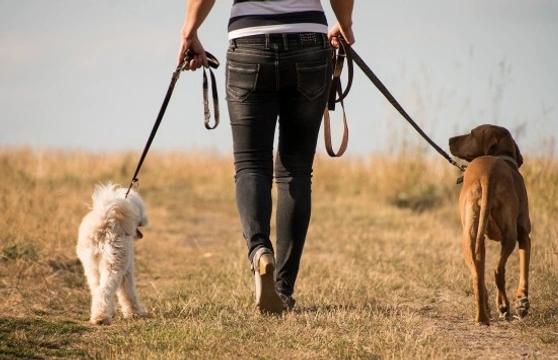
[206, 112]
[189, 55]
[213, 63]
[336, 95]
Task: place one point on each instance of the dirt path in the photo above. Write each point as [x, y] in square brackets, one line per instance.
[502, 339]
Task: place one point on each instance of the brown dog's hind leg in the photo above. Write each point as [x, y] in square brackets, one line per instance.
[502, 302]
[522, 295]
[475, 260]
[483, 316]
[477, 271]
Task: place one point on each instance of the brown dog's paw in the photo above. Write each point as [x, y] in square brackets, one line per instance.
[483, 319]
[504, 312]
[522, 306]
[505, 315]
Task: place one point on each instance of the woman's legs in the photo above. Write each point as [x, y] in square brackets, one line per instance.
[263, 84]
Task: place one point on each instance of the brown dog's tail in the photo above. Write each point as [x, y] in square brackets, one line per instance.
[484, 213]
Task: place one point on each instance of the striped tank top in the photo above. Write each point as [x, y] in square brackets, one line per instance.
[255, 17]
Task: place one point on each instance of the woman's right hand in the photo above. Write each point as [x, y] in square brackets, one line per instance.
[336, 31]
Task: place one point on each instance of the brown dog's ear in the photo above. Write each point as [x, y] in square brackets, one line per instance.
[518, 156]
[497, 140]
[489, 142]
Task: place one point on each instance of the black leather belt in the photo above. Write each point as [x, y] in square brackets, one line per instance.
[302, 39]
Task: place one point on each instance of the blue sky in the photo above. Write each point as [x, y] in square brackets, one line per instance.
[91, 75]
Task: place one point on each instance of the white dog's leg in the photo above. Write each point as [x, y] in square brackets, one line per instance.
[127, 294]
[90, 268]
[128, 297]
[112, 268]
[90, 263]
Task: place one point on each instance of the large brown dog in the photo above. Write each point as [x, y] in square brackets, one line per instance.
[493, 202]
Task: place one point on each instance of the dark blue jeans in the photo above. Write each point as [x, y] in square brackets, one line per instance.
[284, 80]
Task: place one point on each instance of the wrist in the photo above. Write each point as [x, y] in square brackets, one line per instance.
[345, 23]
[187, 33]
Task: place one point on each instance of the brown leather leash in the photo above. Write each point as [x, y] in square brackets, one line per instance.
[336, 95]
[345, 51]
[213, 63]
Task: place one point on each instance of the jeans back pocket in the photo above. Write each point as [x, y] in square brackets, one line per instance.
[312, 78]
[241, 80]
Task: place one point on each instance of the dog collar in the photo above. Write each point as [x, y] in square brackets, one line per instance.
[509, 160]
[506, 158]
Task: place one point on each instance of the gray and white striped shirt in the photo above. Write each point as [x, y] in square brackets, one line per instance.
[254, 17]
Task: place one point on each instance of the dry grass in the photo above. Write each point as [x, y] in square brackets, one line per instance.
[382, 274]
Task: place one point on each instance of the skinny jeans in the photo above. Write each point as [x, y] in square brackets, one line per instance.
[277, 81]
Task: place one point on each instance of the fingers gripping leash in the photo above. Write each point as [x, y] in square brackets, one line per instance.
[189, 55]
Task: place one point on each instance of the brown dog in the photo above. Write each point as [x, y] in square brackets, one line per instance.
[493, 202]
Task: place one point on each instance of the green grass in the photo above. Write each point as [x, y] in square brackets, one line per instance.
[37, 337]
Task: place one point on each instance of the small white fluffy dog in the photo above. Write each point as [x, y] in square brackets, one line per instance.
[106, 250]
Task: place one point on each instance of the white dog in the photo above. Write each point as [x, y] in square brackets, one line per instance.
[106, 250]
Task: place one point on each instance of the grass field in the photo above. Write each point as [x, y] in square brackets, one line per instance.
[382, 274]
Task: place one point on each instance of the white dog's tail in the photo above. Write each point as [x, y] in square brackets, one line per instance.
[114, 211]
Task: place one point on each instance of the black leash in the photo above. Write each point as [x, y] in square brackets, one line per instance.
[347, 51]
[213, 63]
